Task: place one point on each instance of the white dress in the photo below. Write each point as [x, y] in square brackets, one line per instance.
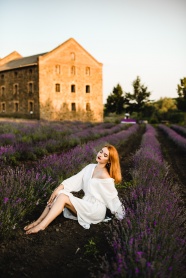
[99, 194]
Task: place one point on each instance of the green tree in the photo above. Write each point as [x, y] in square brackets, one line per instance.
[138, 99]
[166, 109]
[115, 101]
[181, 100]
[181, 89]
[164, 105]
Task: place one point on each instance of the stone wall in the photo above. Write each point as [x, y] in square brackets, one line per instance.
[68, 65]
[20, 99]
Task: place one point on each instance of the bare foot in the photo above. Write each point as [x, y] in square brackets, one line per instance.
[31, 225]
[35, 229]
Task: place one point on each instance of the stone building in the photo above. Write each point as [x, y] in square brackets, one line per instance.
[63, 84]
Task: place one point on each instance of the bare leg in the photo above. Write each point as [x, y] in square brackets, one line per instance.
[62, 201]
[35, 223]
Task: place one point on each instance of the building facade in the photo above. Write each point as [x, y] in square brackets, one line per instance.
[63, 84]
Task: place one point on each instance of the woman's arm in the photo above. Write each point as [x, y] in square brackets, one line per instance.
[117, 208]
[74, 183]
[109, 195]
[55, 193]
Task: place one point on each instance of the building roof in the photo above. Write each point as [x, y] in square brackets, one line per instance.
[15, 63]
[21, 62]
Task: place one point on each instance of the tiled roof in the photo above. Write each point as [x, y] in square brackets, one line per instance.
[21, 62]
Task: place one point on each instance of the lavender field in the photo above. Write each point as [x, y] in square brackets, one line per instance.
[149, 242]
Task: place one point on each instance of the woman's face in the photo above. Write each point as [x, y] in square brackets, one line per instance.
[103, 156]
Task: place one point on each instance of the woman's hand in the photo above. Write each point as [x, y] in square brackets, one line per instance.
[54, 194]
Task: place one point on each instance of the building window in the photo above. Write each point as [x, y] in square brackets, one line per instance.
[73, 70]
[87, 89]
[31, 107]
[30, 87]
[15, 88]
[57, 87]
[73, 56]
[73, 106]
[30, 71]
[16, 106]
[73, 88]
[3, 91]
[87, 71]
[3, 106]
[88, 107]
[2, 76]
[58, 69]
[15, 73]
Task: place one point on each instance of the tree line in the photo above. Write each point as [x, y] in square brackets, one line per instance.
[139, 104]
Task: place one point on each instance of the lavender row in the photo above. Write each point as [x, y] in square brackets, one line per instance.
[11, 133]
[31, 150]
[180, 129]
[150, 242]
[33, 132]
[174, 136]
[22, 190]
[28, 141]
[68, 163]
[97, 132]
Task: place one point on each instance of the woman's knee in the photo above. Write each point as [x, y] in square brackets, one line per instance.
[64, 198]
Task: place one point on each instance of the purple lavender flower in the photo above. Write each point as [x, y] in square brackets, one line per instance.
[5, 200]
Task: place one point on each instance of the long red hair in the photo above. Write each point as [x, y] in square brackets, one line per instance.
[113, 165]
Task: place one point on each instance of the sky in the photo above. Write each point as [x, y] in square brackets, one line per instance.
[145, 38]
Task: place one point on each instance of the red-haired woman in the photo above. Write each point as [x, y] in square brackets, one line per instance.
[98, 183]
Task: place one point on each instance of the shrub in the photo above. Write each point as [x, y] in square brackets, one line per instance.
[21, 191]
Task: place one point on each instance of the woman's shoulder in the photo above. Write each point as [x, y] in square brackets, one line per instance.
[105, 175]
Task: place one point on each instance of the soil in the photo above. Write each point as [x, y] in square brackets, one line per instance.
[65, 249]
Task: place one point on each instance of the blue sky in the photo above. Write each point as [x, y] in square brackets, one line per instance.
[145, 38]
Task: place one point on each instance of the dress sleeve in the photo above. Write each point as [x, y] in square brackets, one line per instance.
[116, 208]
[75, 182]
[107, 193]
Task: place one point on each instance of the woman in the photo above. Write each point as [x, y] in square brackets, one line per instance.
[98, 183]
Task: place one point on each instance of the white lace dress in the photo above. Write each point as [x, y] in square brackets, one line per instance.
[99, 194]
